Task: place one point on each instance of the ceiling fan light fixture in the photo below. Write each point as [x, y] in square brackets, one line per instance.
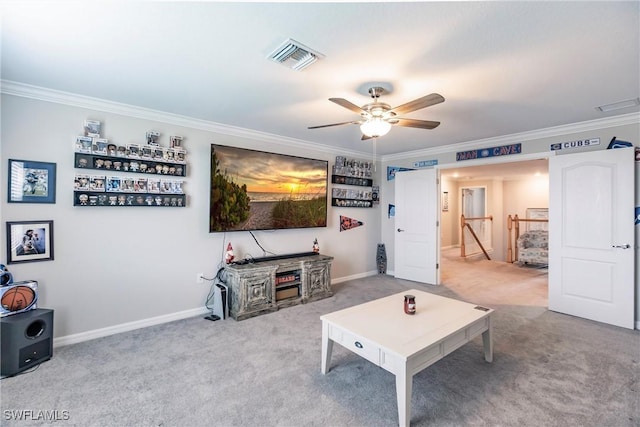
[375, 127]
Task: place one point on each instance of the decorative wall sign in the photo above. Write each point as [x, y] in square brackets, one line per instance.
[616, 143]
[503, 150]
[445, 201]
[425, 163]
[31, 182]
[29, 241]
[347, 223]
[579, 143]
[391, 172]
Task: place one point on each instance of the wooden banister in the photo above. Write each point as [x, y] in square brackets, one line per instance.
[463, 224]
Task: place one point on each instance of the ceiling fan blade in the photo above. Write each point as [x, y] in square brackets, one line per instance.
[334, 124]
[412, 123]
[347, 104]
[417, 104]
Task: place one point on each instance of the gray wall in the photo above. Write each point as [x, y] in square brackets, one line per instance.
[120, 268]
[116, 269]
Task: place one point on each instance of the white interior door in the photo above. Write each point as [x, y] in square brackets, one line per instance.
[416, 255]
[591, 235]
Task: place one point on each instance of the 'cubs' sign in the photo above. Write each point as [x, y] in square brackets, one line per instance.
[503, 150]
[575, 144]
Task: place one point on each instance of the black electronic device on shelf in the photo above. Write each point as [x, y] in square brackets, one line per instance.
[274, 258]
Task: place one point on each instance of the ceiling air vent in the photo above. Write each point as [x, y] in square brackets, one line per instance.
[295, 55]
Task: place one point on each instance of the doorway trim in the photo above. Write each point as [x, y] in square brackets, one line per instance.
[496, 160]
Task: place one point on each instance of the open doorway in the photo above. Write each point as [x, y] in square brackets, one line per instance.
[509, 189]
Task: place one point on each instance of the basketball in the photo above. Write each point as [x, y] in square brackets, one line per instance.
[18, 298]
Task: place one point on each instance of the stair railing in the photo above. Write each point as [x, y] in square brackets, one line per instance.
[514, 223]
[464, 224]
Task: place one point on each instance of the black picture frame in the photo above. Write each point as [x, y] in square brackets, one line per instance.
[29, 241]
[31, 182]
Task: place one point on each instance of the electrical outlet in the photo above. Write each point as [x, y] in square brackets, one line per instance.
[200, 278]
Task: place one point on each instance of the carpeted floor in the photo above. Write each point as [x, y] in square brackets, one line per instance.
[549, 369]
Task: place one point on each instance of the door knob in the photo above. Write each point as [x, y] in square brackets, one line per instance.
[400, 230]
[627, 246]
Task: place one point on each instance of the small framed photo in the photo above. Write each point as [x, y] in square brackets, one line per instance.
[31, 182]
[153, 137]
[92, 128]
[29, 241]
[176, 141]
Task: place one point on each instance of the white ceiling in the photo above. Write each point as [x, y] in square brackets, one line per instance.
[503, 67]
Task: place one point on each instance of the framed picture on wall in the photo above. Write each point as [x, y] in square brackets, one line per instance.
[29, 241]
[445, 201]
[540, 217]
[31, 182]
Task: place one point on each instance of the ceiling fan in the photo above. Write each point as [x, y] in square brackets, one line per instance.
[377, 117]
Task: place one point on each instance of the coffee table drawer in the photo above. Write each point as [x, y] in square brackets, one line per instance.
[361, 347]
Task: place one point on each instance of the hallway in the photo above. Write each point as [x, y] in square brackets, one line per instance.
[493, 282]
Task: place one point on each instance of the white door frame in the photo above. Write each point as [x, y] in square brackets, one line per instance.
[492, 161]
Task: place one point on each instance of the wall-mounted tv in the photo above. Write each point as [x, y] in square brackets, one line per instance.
[257, 190]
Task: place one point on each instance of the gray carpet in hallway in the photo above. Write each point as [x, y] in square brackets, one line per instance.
[549, 369]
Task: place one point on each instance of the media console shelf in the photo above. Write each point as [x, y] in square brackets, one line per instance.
[262, 287]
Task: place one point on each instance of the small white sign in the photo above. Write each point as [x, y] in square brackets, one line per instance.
[575, 144]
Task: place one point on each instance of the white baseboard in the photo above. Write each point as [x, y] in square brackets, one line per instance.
[130, 326]
[144, 323]
[354, 276]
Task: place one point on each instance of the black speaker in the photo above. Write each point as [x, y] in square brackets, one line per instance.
[26, 340]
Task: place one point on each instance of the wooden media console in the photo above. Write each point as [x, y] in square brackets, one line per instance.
[265, 286]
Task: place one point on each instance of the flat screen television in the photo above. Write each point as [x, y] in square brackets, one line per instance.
[257, 190]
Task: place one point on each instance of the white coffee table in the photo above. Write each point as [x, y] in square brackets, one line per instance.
[405, 344]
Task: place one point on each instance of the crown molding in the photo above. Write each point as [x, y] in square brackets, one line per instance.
[55, 96]
[587, 126]
[9, 87]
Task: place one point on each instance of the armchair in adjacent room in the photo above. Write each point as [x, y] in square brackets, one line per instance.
[533, 247]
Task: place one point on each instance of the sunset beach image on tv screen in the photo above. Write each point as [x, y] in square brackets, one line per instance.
[257, 190]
